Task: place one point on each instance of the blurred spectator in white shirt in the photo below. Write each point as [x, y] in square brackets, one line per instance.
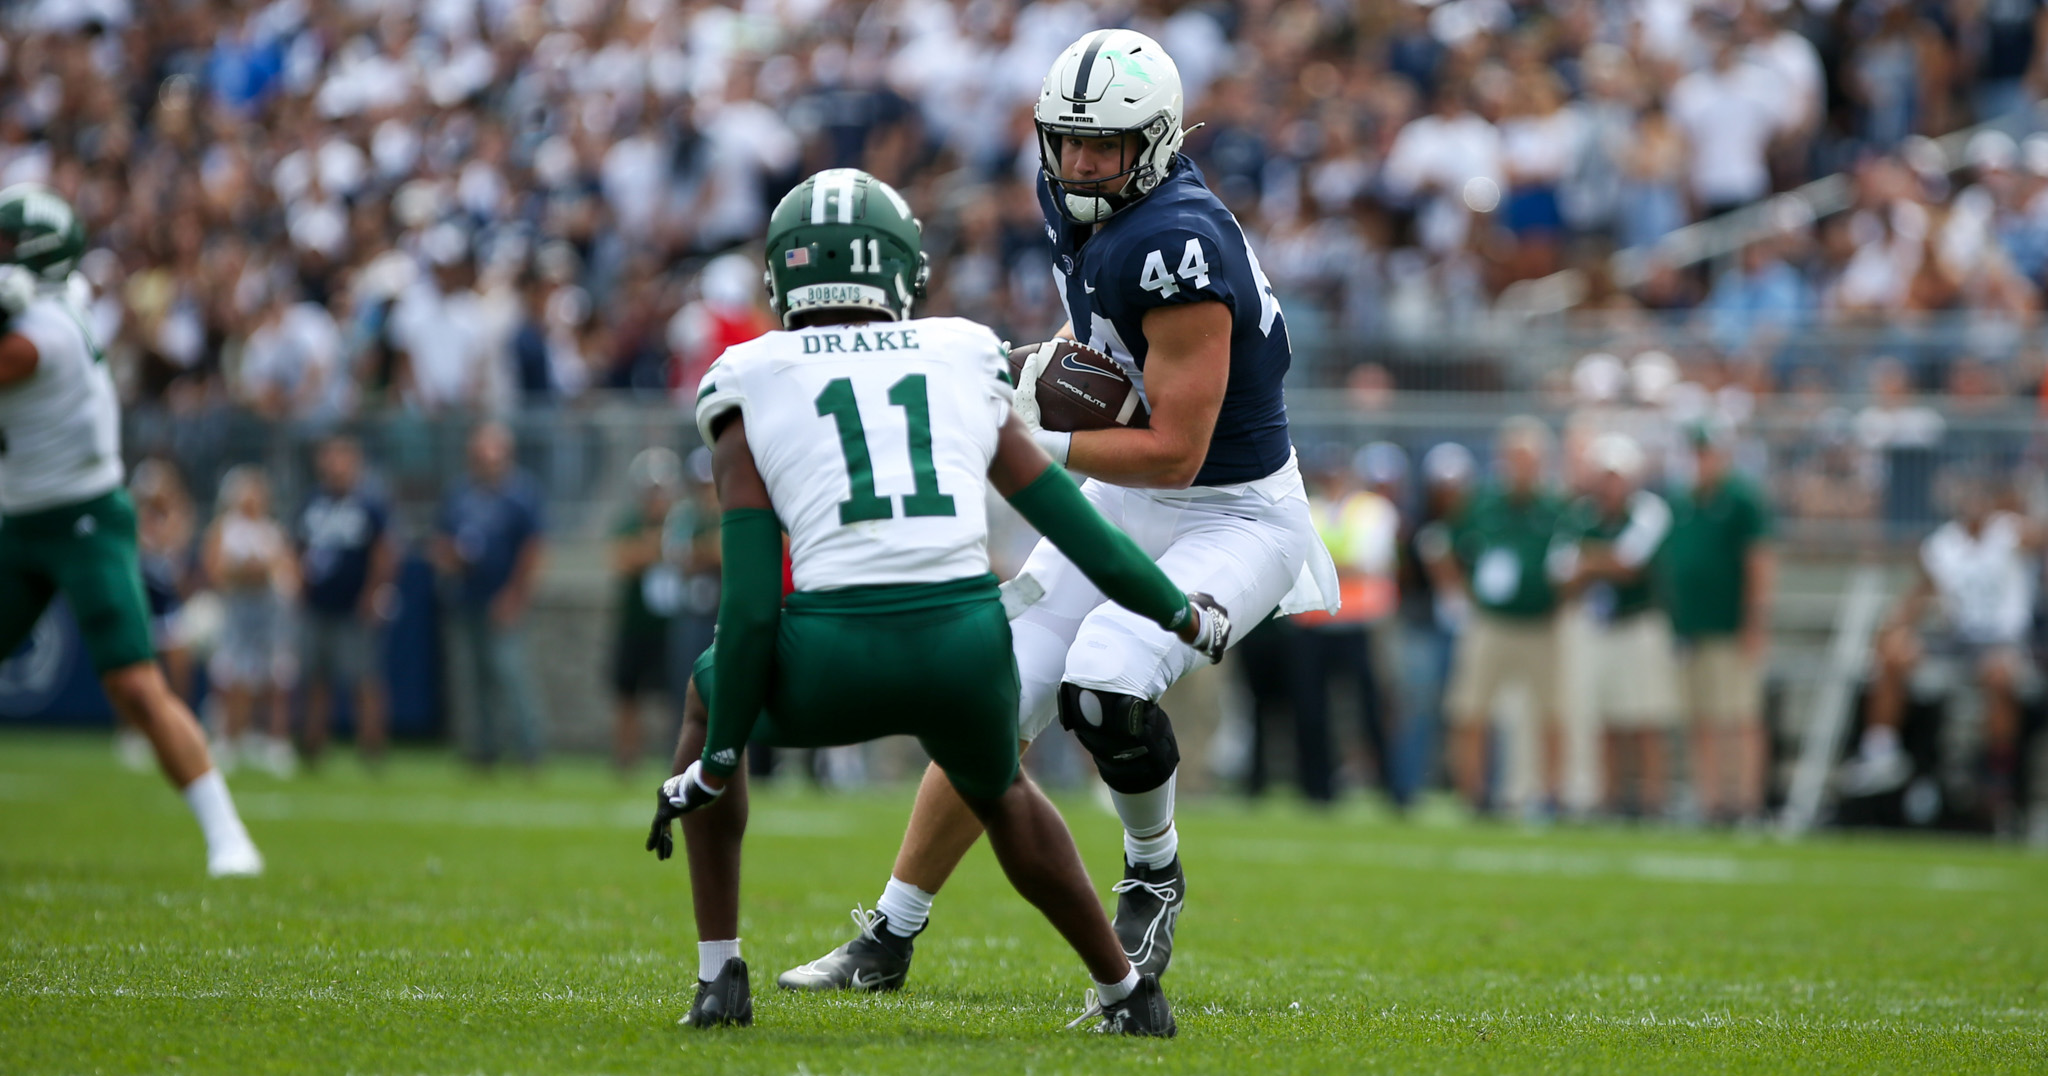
[746, 142]
[293, 365]
[1445, 165]
[438, 324]
[1729, 112]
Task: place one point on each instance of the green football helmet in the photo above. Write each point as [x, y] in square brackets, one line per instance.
[844, 240]
[39, 231]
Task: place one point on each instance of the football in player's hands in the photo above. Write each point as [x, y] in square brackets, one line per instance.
[1080, 388]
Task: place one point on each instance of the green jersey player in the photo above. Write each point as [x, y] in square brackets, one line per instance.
[66, 523]
[873, 438]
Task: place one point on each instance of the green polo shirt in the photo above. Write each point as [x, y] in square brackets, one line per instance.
[649, 597]
[1705, 558]
[1503, 544]
[1612, 601]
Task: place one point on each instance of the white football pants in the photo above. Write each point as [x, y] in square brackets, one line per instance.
[1252, 547]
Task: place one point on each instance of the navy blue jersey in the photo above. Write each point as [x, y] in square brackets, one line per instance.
[1180, 245]
[337, 536]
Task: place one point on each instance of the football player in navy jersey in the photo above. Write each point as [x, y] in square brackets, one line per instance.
[1156, 273]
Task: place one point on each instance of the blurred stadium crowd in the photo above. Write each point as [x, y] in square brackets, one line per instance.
[316, 209]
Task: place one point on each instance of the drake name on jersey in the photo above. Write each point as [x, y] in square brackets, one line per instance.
[60, 429]
[874, 441]
[1179, 244]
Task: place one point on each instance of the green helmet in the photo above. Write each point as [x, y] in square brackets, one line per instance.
[39, 231]
[844, 240]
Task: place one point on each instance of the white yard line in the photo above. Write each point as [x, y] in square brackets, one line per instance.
[1664, 866]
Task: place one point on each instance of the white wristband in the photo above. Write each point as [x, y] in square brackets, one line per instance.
[1055, 443]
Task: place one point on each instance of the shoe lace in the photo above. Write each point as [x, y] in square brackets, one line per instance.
[1165, 891]
[866, 919]
[1091, 1009]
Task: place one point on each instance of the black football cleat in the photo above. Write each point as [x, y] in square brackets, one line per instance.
[877, 959]
[1145, 1013]
[723, 1002]
[1148, 905]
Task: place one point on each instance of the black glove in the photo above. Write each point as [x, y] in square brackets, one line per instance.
[661, 840]
[678, 796]
[1212, 631]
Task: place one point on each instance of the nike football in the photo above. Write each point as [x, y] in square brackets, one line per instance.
[1081, 389]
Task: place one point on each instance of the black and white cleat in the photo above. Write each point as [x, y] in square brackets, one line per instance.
[1148, 906]
[1145, 1012]
[877, 959]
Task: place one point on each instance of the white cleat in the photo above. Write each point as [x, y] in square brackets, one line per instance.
[237, 861]
[1874, 773]
[278, 758]
[134, 751]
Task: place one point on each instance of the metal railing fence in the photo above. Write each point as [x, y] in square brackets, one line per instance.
[1844, 472]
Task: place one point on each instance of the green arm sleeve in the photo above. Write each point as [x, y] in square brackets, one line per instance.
[749, 608]
[1106, 555]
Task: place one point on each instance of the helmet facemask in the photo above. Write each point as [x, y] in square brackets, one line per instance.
[1110, 84]
[1140, 168]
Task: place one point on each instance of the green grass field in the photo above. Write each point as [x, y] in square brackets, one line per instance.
[432, 922]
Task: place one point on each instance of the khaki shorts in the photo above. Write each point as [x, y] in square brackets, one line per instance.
[1630, 673]
[1496, 652]
[1720, 684]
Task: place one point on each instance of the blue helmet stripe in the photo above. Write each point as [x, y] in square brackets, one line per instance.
[1080, 91]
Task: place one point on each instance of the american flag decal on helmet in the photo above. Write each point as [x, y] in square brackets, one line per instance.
[796, 258]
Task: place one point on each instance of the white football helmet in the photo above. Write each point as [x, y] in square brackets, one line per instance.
[1104, 85]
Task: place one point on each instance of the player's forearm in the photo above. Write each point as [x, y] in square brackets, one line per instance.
[1106, 555]
[1140, 459]
[749, 611]
[18, 358]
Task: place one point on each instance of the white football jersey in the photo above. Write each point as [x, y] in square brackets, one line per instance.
[1985, 583]
[874, 441]
[60, 429]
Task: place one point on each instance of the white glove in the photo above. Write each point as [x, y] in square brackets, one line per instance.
[679, 795]
[1025, 403]
[1212, 627]
[18, 289]
[1019, 594]
[687, 791]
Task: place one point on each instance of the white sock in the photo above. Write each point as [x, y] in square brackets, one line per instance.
[907, 907]
[1146, 812]
[208, 797]
[712, 955]
[1880, 741]
[1111, 993]
[1153, 852]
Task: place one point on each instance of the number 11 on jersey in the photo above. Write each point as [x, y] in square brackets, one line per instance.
[837, 403]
